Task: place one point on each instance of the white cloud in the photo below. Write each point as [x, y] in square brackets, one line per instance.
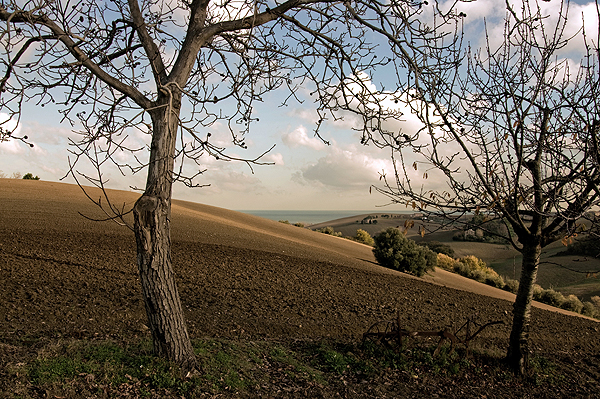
[346, 122]
[299, 138]
[344, 169]
[582, 15]
[12, 147]
[8, 123]
[396, 111]
[276, 158]
[340, 121]
[231, 181]
[477, 10]
[52, 171]
[228, 10]
[365, 164]
[494, 12]
[44, 134]
[309, 115]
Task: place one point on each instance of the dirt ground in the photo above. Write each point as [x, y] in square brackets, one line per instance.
[64, 276]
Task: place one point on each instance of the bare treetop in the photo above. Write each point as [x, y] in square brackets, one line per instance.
[106, 64]
[512, 130]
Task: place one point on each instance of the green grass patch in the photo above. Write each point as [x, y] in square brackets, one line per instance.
[417, 359]
[245, 368]
[295, 365]
[227, 365]
[44, 371]
[107, 364]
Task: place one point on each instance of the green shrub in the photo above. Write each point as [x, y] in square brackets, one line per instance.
[511, 285]
[471, 267]
[284, 221]
[431, 258]
[30, 176]
[330, 231]
[395, 251]
[439, 248]
[477, 275]
[590, 310]
[537, 292]
[462, 269]
[299, 224]
[573, 304]
[494, 280]
[551, 297]
[364, 237]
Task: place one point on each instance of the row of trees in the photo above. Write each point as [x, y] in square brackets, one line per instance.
[522, 125]
[18, 175]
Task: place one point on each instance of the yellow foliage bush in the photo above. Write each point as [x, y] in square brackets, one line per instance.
[474, 263]
[446, 262]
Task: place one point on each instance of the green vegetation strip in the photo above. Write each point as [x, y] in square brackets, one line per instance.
[247, 367]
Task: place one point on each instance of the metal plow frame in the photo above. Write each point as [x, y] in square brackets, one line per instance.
[389, 333]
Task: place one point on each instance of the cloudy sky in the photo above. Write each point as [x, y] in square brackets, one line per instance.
[306, 174]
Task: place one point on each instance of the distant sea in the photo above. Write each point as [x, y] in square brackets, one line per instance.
[311, 217]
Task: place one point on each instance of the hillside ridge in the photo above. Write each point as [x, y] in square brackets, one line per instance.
[44, 202]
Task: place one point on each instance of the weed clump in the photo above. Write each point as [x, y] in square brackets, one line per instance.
[476, 269]
[590, 310]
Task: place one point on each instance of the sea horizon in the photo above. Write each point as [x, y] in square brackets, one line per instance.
[313, 216]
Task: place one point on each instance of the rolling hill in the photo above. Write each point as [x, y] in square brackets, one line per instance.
[239, 276]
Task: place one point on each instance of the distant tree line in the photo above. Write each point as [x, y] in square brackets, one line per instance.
[18, 175]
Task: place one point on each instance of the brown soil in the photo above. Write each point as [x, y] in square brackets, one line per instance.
[239, 276]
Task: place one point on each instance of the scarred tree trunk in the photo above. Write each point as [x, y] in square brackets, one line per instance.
[518, 342]
[152, 216]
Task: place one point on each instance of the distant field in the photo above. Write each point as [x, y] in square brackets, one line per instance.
[566, 274]
[348, 226]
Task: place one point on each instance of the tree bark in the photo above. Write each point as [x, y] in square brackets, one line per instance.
[152, 214]
[518, 350]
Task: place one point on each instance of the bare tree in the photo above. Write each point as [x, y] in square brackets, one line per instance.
[171, 69]
[510, 133]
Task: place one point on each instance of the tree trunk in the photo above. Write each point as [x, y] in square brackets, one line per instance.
[152, 214]
[517, 355]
